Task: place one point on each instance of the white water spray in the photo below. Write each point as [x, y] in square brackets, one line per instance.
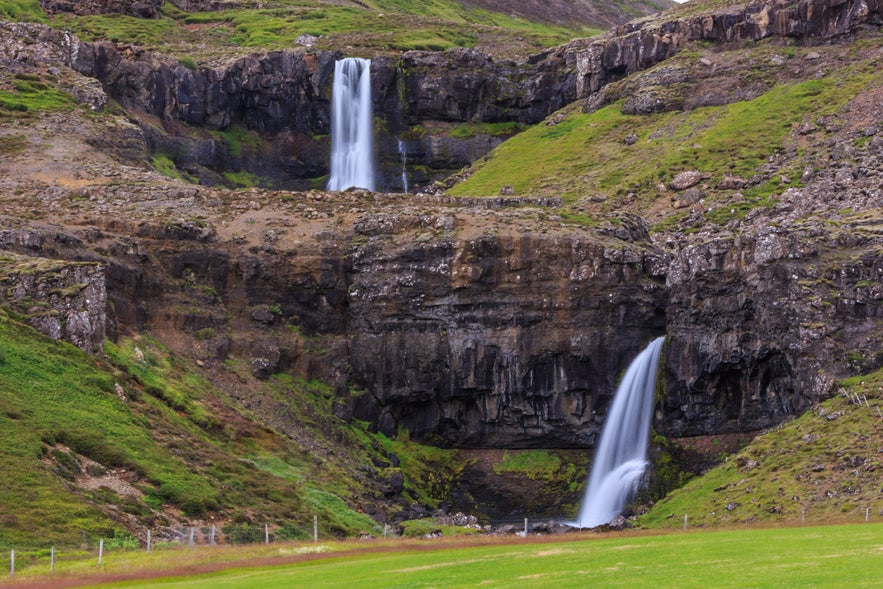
[352, 126]
[621, 455]
[403, 150]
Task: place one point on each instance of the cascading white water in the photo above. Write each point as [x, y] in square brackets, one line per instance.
[621, 454]
[352, 126]
[403, 150]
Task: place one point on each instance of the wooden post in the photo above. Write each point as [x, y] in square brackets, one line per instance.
[867, 514]
[685, 521]
[213, 535]
[525, 527]
[191, 536]
[148, 541]
[100, 551]
[315, 528]
[266, 533]
[12, 563]
[52, 560]
[803, 516]
[385, 529]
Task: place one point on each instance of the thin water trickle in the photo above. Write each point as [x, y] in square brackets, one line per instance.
[621, 454]
[403, 150]
[352, 126]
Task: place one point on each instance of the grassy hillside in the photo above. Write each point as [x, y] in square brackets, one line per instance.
[607, 161]
[360, 28]
[105, 447]
[823, 466]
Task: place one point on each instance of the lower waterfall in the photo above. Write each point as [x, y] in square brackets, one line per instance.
[621, 454]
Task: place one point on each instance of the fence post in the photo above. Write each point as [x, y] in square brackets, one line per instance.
[100, 551]
[802, 516]
[12, 563]
[315, 528]
[385, 529]
[148, 541]
[52, 560]
[685, 521]
[212, 535]
[525, 527]
[266, 533]
[867, 514]
[191, 536]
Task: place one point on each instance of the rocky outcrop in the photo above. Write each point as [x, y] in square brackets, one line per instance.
[64, 300]
[645, 42]
[138, 8]
[759, 327]
[510, 333]
[767, 314]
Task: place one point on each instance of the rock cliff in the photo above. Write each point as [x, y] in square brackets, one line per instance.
[467, 322]
[434, 317]
[645, 42]
[284, 96]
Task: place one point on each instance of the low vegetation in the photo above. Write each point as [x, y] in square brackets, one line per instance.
[22, 10]
[822, 466]
[618, 161]
[140, 439]
[29, 94]
[367, 28]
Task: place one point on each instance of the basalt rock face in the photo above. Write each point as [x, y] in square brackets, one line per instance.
[645, 42]
[760, 325]
[470, 336]
[285, 97]
[469, 86]
[765, 316]
[499, 340]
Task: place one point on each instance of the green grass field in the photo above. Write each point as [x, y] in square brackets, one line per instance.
[834, 556]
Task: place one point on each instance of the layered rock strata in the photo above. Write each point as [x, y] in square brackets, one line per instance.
[284, 95]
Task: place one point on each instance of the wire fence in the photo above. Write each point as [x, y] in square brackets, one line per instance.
[93, 548]
[91, 551]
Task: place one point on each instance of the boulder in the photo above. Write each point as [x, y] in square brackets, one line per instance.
[61, 299]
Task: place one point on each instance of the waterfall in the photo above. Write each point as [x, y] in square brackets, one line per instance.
[621, 455]
[403, 150]
[352, 126]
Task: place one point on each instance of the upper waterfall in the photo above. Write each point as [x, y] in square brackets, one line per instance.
[621, 455]
[352, 126]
